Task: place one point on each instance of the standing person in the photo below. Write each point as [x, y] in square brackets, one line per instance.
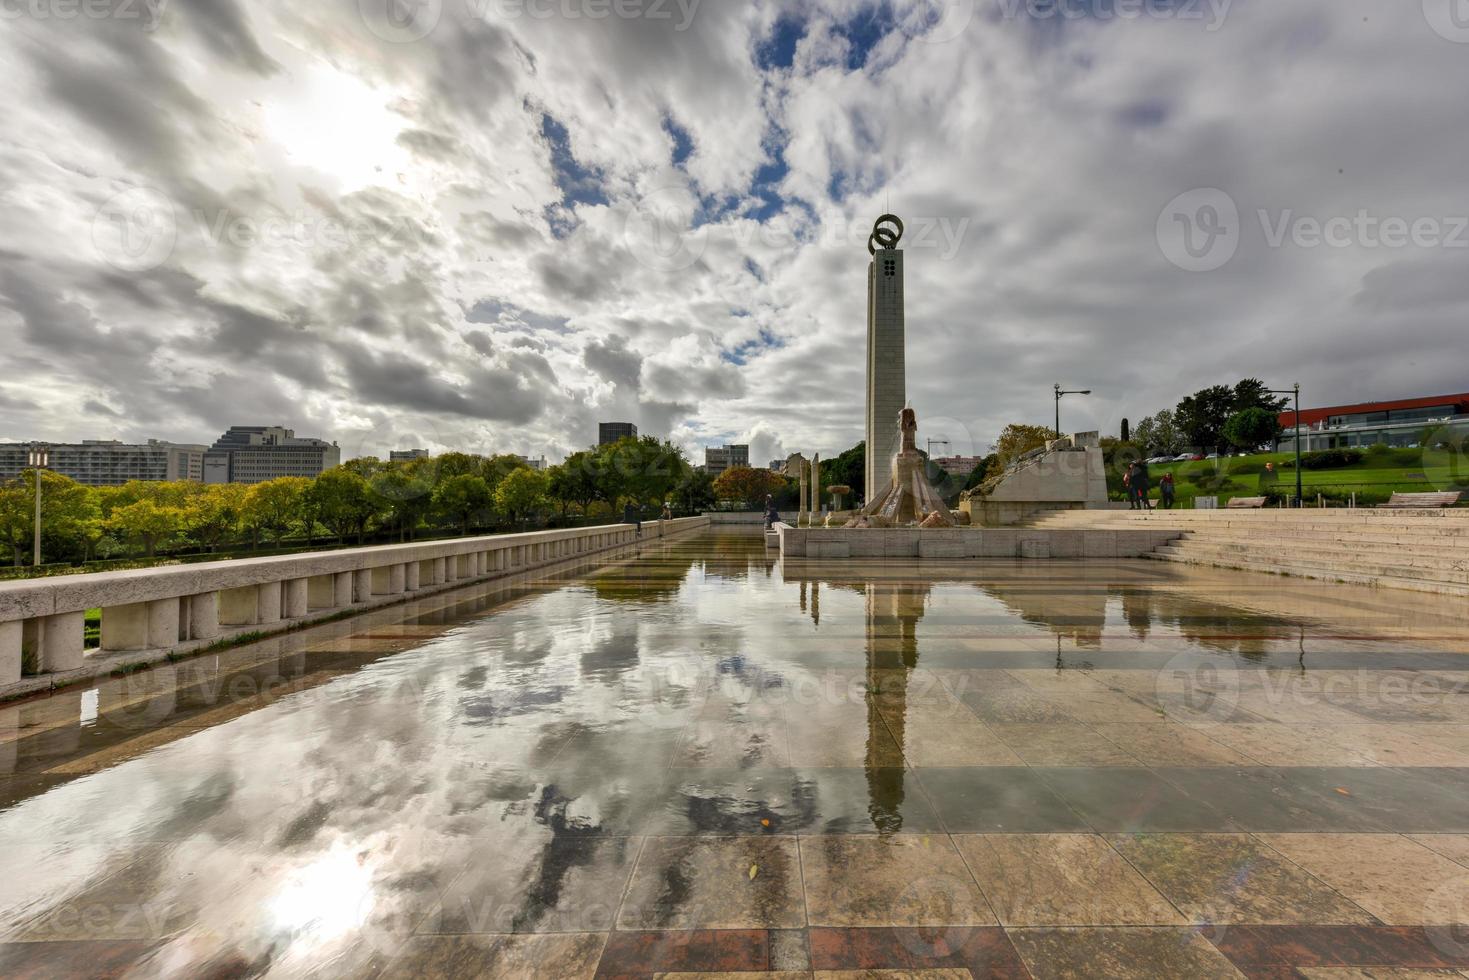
[1127, 486]
[667, 514]
[1142, 484]
[632, 514]
[1166, 489]
[771, 514]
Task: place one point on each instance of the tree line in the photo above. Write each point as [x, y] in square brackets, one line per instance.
[1215, 419]
[360, 500]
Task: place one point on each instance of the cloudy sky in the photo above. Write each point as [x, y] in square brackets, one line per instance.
[489, 224]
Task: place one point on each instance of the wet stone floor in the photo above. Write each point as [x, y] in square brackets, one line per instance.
[691, 760]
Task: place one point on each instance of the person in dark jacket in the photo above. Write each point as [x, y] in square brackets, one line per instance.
[1166, 489]
[771, 514]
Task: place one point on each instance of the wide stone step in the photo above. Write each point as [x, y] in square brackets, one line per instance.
[1368, 566]
[1446, 562]
[1337, 542]
[1416, 530]
[1352, 577]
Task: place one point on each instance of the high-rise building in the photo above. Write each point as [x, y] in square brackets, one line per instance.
[716, 461]
[610, 432]
[258, 453]
[777, 466]
[886, 370]
[101, 463]
[958, 465]
[407, 455]
[539, 465]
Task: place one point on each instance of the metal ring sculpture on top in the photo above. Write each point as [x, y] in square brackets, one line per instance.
[885, 236]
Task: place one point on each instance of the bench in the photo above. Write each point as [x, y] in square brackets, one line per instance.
[1407, 501]
[1245, 503]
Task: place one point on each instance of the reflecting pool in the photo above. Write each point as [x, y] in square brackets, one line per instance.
[690, 758]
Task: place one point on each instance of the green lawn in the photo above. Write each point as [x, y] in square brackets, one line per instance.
[1374, 479]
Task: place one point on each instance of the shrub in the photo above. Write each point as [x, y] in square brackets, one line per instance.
[1327, 459]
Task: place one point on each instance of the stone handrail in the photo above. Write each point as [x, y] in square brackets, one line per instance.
[180, 608]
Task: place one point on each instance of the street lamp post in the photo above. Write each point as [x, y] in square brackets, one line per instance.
[38, 458]
[1059, 395]
[1295, 391]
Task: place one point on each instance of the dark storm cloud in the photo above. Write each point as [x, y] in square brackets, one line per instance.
[221, 26]
[493, 394]
[615, 362]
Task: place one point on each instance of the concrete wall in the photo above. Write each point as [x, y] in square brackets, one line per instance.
[874, 543]
[150, 613]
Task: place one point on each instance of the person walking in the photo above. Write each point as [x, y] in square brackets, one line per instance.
[1127, 486]
[1166, 490]
[632, 514]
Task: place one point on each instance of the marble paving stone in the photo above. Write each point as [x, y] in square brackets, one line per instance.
[1083, 954]
[566, 885]
[1455, 847]
[1165, 744]
[100, 960]
[560, 957]
[699, 950]
[994, 801]
[1396, 879]
[1015, 706]
[1261, 799]
[1398, 745]
[721, 745]
[1063, 744]
[715, 883]
[1062, 880]
[892, 975]
[1418, 800]
[1286, 745]
[1106, 706]
[1376, 973]
[850, 736]
[754, 975]
[1114, 801]
[909, 880]
[984, 951]
[1234, 879]
[951, 741]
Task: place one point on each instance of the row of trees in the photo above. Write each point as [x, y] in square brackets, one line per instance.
[363, 498]
[1245, 416]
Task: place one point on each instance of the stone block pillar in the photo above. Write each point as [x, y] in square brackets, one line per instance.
[239, 607]
[342, 590]
[362, 585]
[269, 604]
[295, 604]
[413, 576]
[203, 616]
[441, 571]
[397, 579]
[10, 634]
[57, 642]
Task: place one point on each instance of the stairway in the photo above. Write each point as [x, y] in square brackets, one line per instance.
[1425, 551]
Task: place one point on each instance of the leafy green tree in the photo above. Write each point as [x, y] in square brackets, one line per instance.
[151, 523]
[696, 490]
[747, 486]
[575, 481]
[1252, 393]
[66, 509]
[1158, 435]
[343, 502]
[849, 469]
[275, 506]
[463, 498]
[521, 493]
[1201, 416]
[1017, 439]
[1252, 427]
[402, 494]
[213, 514]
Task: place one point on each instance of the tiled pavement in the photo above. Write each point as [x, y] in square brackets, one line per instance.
[695, 764]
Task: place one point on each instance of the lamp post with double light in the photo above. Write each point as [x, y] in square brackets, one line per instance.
[1059, 395]
[1295, 390]
[38, 459]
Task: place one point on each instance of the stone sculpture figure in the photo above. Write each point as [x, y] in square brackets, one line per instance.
[908, 497]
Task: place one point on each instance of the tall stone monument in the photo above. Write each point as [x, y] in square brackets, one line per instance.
[887, 388]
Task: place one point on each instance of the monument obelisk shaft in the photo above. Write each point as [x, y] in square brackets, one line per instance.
[887, 388]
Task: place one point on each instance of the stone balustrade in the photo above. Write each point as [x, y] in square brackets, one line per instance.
[152, 612]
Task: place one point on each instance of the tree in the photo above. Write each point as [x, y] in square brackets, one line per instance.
[274, 506]
[462, 498]
[696, 490]
[1252, 428]
[848, 469]
[213, 514]
[151, 523]
[1252, 393]
[1158, 435]
[521, 493]
[403, 493]
[575, 481]
[342, 502]
[749, 487]
[1201, 416]
[66, 509]
[1017, 439]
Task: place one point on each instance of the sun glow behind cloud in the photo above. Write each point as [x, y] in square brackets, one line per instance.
[339, 126]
